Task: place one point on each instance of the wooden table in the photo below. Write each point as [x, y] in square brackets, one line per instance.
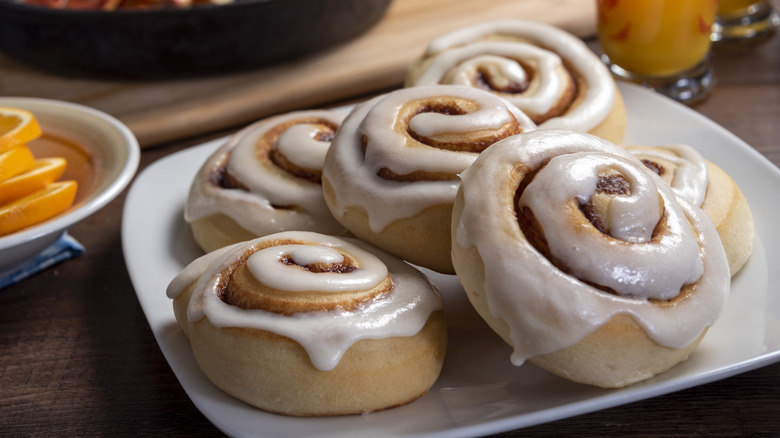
[77, 357]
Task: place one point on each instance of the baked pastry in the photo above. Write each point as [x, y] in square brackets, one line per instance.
[583, 260]
[305, 324]
[702, 183]
[264, 179]
[548, 73]
[392, 170]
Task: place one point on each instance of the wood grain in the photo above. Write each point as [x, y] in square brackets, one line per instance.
[158, 112]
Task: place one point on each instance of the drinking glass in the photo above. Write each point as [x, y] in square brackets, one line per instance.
[744, 22]
[661, 44]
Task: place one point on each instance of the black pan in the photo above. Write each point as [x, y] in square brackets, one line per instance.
[169, 43]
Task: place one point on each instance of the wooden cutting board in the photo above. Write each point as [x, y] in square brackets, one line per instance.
[376, 60]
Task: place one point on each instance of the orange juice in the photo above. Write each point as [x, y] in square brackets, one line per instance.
[655, 37]
[734, 7]
[81, 164]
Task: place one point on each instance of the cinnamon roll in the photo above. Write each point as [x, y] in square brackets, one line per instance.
[391, 174]
[703, 183]
[548, 73]
[583, 260]
[304, 324]
[266, 178]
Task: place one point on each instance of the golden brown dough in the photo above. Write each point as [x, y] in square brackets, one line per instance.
[392, 171]
[583, 260]
[266, 178]
[304, 324]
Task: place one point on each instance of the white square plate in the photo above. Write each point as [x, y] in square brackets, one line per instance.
[479, 391]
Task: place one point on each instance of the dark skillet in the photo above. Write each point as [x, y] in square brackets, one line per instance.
[170, 43]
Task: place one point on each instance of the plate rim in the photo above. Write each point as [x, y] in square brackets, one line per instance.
[606, 400]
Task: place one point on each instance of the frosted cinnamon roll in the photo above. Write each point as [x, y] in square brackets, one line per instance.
[583, 260]
[304, 324]
[392, 171]
[703, 183]
[548, 73]
[266, 178]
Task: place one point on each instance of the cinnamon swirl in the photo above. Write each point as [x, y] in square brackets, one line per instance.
[391, 174]
[304, 324]
[703, 183]
[583, 260]
[264, 179]
[548, 73]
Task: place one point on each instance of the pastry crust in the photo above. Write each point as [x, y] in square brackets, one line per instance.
[264, 179]
[392, 171]
[263, 332]
[218, 230]
[617, 354]
[545, 71]
[571, 325]
[423, 239]
[613, 127]
[274, 373]
[731, 214]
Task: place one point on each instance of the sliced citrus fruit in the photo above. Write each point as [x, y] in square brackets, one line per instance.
[37, 207]
[15, 161]
[17, 127]
[44, 172]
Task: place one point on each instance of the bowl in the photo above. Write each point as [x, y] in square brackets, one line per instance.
[102, 154]
[199, 40]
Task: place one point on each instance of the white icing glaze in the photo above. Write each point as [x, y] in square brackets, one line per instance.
[547, 309]
[458, 66]
[353, 174]
[658, 271]
[300, 145]
[325, 335]
[690, 169]
[269, 187]
[266, 266]
[504, 73]
[454, 55]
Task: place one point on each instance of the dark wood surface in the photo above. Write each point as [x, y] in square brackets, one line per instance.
[77, 357]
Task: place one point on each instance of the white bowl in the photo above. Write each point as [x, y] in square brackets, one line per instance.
[104, 161]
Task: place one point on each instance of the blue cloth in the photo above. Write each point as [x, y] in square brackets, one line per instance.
[64, 248]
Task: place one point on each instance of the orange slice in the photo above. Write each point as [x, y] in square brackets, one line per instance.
[15, 161]
[37, 207]
[45, 172]
[17, 127]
